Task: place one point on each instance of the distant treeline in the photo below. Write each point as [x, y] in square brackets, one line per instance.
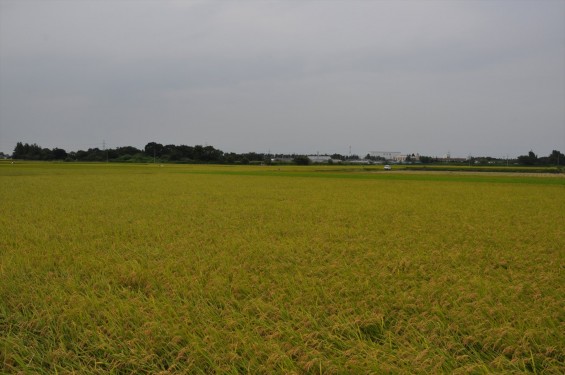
[152, 152]
[156, 152]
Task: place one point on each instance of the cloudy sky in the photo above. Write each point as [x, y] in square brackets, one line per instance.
[469, 77]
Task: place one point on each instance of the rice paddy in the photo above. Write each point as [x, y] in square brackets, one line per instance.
[127, 269]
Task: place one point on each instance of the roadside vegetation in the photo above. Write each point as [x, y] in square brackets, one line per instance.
[132, 268]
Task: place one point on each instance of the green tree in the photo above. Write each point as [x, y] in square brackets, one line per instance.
[153, 149]
[19, 151]
[426, 159]
[301, 160]
[556, 158]
[530, 159]
[59, 153]
[31, 152]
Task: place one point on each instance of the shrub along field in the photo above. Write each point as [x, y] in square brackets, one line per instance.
[109, 268]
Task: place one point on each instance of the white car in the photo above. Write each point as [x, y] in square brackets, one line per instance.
[387, 167]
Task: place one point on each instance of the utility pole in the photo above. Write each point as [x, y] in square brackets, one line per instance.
[104, 149]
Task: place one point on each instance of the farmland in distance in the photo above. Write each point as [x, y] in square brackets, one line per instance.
[114, 268]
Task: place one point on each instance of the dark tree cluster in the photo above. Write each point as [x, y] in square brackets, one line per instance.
[152, 152]
[555, 158]
[301, 160]
[374, 158]
[427, 159]
[26, 151]
[182, 153]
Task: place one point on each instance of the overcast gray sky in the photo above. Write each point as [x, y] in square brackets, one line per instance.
[469, 77]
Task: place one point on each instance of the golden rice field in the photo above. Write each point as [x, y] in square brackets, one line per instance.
[183, 269]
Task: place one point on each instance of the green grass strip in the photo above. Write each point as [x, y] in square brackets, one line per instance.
[391, 176]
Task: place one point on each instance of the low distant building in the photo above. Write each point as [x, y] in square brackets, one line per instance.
[388, 155]
[360, 161]
[319, 158]
[407, 158]
[282, 160]
[395, 156]
[449, 159]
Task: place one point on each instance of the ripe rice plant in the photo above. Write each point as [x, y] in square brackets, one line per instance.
[109, 268]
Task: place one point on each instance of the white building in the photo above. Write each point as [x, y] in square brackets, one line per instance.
[395, 156]
[410, 157]
[388, 155]
[319, 158]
